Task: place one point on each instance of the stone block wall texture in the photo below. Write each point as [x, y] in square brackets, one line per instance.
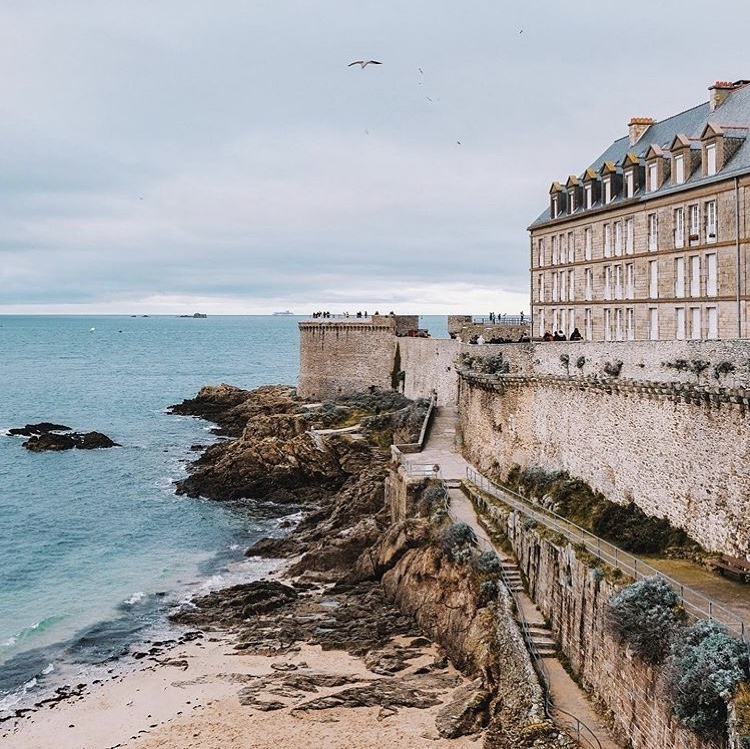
[574, 598]
[430, 364]
[345, 357]
[686, 461]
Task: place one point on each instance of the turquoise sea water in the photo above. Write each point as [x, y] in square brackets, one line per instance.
[94, 545]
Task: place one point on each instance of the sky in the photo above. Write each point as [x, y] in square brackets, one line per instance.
[180, 156]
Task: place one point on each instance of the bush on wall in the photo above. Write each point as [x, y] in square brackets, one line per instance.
[645, 616]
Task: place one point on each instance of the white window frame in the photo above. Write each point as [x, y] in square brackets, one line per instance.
[679, 169]
[653, 177]
[607, 324]
[653, 231]
[555, 288]
[588, 276]
[618, 238]
[695, 275]
[571, 247]
[588, 324]
[563, 286]
[555, 207]
[653, 279]
[694, 234]
[630, 280]
[587, 243]
[679, 227]
[710, 159]
[571, 285]
[553, 259]
[712, 318]
[679, 277]
[653, 323]
[541, 252]
[607, 240]
[679, 323]
[589, 192]
[607, 190]
[608, 282]
[618, 282]
[540, 288]
[712, 274]
[572, 200]
[629, 236]
[711, 231]
[629, 184]
[619, 327]
[629, 323]
[695, 323]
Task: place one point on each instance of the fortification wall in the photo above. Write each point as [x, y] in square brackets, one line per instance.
[430, 364]
[573, 598]
[676, 453]
[345, 357]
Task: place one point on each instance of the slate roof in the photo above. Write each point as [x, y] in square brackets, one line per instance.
[733, 116]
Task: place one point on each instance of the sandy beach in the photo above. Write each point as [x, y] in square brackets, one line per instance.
[193, 697]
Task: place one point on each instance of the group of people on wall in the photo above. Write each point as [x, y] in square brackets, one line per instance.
[559, 335]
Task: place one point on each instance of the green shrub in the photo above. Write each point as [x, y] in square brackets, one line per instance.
[458, 541]
[705, 666]
[488, 563]
[645, 616]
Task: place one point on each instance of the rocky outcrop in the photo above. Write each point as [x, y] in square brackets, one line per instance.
[46, 436]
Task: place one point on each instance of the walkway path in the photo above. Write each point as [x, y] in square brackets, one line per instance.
[567, 698]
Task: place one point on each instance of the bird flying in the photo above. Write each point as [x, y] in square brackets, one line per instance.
[364, 63]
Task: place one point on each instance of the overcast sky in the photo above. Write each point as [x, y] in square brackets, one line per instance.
[173, 156]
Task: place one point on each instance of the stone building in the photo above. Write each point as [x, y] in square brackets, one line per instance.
[650, 241]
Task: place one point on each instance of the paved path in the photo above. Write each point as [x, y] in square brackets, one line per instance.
[565, 694]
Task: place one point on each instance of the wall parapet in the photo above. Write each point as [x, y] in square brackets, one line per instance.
[677, 392]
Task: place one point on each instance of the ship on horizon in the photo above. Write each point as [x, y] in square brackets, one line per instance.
[285, 312]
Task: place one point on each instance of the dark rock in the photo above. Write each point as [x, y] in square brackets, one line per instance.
[42, 427]
[466, 713]
[51, 441]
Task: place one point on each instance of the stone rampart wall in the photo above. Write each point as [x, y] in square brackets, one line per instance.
[683, 457]
[345, 357]
[573, 597]
[430, 364]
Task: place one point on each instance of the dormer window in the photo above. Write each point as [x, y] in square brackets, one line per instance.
[679, 169]
[555, 212]
[657, 167]
[710, 159]
[557, 196]
[607, 190]
[589, 196]
[629, 184]
[653, 180]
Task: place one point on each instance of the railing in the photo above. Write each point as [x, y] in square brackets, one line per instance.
[348, 316]
[696, 605]
[501, 320]
[416, 447]
[583, 734]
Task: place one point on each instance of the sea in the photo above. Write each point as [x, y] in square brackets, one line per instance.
[95, 546]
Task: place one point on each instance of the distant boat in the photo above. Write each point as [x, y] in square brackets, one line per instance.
[200, 315]
[285, 312]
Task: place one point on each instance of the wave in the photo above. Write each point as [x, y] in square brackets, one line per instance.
[25, 634]
[137, 597]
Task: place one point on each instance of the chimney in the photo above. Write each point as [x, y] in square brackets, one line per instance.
[637, 126]
[719, 92]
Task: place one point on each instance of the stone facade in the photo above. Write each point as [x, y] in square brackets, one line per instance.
[641, 248]
[431, 364]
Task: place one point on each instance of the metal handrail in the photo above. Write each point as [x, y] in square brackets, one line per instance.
[538, 663]
[695, 604]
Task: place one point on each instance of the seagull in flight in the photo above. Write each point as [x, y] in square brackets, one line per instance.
[364, 63]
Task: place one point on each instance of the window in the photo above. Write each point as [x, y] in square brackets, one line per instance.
[713, 322]
[607, 190]
[572, 200]
[607, 324]
[653, 183]
[710, 159]
[571, 248]
[587, 244]
[711, 275]
[711, 221]
[679, 277]
[563, 248]
[694, 225]
[571, 285]
[629, 184]
[554, 249]
[653, 279]
[555, 210]
[630, 281]
[618, 325]
[679, 169]
[607, 281]
[589, 201]
[607, 240]
[555, 290]
[563, 291]
[679, 227]
[695, 322]
[571, 320]
[695, 275]
[555, 320]
[563, 320]
[618, 282]
[653, 324]
[540, 296]
[542, 328]
[630, 323]
[588, 276]
[652, 229]
[588, 326]
[679, 323]
[618, 238]
[629, 237]
[541, 252]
